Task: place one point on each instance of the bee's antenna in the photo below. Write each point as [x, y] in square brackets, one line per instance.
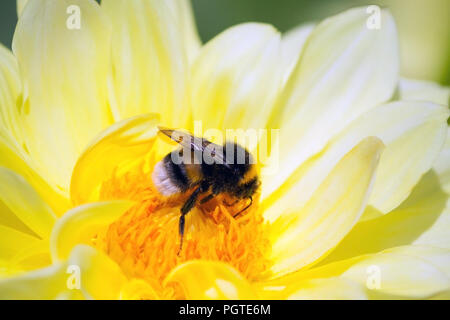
[248, 206]
[181, 246]
[181, 227]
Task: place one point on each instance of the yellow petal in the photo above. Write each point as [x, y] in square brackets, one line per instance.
[138, 289]
[10, 91]
[302, 234]
[192, 43]
[32, 257]
[10, 219]
[150, 59]
[292, 44]
[64, 66]
[121, 143]
[422, 219]
[410, 89]
[20, 6]
[45, 283]
[20, 163]
[205, 280]
[444, 295]
[442, 164]
[87, 273]
[25, 203]
[344, 70]
[82, 224]
[401, 272]
[413, 133]
[12, 241]
[70, 295]
[437, 234]
[414, 146]
[297, 287]
[236, 78]
[405, 271]
[438, 257]
[328, 289]
[12, 146]
[100, 277]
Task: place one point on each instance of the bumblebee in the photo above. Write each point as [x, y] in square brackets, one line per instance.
[205, 170]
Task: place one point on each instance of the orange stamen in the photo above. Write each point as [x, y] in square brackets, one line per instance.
[145, 240]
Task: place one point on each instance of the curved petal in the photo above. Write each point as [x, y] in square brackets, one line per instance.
[19, 162]
[292, 44]
[45, 283]
[191, 38]
[410, 89]
[442, 164]
[12, 241]
[12, 147]
[444, 295]
[10, 220]
[31, 257]
[344, 70]
[413, 133]
[236, 78]
[437, 233]
[401, 272]
[100, 277]
[303, 234]
[138, 289]
[70, 295]
[82, 224]
[25, 203]
[204, 280]
[150, 59]
[20, 4]
[414, 144]
[406, 271]
[86, 273]
[64, 66]
[10, 95]
[329, 289]
[422, 219]
[121, 143]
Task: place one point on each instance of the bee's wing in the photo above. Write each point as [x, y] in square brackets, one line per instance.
[187, 140]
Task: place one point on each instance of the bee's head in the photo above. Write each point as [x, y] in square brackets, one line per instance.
[242, 163]
[247, 189]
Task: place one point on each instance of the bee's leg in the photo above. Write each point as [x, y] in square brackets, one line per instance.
[181, 232]
[248, 206]
[207, 198]
[230, 204]
[188, 205]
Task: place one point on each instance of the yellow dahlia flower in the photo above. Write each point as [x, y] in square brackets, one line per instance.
[357, 209]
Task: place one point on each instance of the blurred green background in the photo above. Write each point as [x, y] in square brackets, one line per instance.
[424, 25]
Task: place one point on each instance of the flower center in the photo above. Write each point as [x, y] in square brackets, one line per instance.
[144, 241]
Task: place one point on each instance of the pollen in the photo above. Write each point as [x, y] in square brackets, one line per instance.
[144, 241]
